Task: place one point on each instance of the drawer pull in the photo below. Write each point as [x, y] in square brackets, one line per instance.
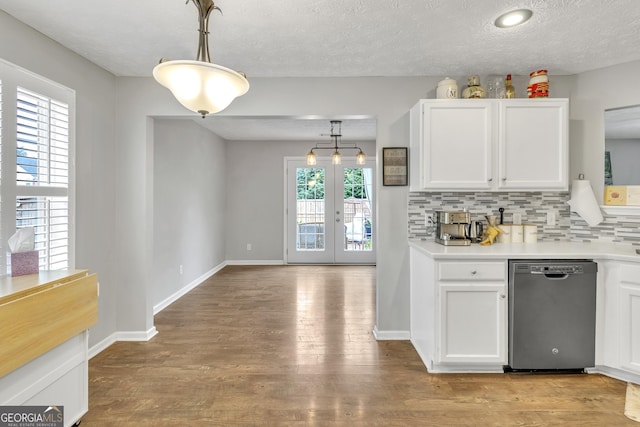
[474, 272]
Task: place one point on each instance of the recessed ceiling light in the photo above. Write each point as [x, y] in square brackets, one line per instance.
[513, 18]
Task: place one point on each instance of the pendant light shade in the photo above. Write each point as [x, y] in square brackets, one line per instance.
[200, 85]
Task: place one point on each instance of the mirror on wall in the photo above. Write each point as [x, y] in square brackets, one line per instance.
[622, 156]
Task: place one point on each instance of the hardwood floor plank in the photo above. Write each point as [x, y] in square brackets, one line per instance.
[292, 346]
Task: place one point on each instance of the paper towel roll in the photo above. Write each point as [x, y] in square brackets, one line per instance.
[583, 202]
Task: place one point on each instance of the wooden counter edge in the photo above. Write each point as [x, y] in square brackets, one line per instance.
[45, 318]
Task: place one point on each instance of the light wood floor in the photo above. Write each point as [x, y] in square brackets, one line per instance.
[292, 345]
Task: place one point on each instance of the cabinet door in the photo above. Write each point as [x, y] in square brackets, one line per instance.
[473, 327]
[629, 294]
[456, 145]
[533, 144]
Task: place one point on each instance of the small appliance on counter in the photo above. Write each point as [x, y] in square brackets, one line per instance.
[452, 228]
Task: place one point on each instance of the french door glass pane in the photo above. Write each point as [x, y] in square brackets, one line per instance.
[310, 209]
[357, 209]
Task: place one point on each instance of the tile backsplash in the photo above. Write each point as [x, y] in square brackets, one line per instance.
[615, 228]
[533, 207]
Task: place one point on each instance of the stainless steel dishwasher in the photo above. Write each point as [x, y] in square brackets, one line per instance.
[552, 315]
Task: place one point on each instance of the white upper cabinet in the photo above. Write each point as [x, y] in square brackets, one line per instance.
[452, 140]
[489, 145]
[533, 149]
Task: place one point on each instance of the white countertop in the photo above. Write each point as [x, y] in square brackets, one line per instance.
[540, 250]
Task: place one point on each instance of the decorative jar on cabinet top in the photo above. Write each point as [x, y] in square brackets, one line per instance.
[447, 89]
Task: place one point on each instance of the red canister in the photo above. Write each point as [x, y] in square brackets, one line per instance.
[538, 84]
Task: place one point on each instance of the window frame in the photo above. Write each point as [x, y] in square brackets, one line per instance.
[11, 77]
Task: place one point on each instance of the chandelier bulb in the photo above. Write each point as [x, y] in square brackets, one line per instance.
[360, 158]
[311, 158]
[336, 158]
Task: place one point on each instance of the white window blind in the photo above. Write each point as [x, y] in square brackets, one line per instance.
[49, 216]
[36, 129]
[42, 154]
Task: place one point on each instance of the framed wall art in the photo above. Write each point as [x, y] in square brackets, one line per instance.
[394, 166]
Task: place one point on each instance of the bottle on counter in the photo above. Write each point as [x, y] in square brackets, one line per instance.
[509, 90]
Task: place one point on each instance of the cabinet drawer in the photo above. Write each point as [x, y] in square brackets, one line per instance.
[472, 270]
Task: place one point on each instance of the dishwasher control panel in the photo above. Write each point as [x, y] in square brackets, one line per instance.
[556, 269]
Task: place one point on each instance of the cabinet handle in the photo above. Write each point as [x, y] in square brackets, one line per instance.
[473, 273]
[503, 296]
[504, 179]
[490, 179]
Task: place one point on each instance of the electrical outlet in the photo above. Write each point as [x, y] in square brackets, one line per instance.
[249, 247]
[551, 218]
[517, 218]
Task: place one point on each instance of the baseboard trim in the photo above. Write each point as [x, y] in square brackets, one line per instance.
[618, 374]
[390, 335]
[122, 336]
[255, 262]
[185, 289]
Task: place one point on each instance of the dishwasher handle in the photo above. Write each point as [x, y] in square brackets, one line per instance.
[551, 276]
[556, 276]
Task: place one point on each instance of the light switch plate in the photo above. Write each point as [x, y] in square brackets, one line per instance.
[551, 218]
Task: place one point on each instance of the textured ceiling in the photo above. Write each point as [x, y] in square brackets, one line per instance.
[317, 38]
[345, 37]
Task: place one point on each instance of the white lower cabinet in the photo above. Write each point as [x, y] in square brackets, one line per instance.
[618, 337]
[465, 330]
[472, 324]
[459, 319]
[629, 312]
[472, 309]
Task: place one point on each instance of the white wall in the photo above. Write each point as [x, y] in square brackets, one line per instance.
[189, 224]
[95, 152]
[594, 92]
[255, 195]
[387, 99]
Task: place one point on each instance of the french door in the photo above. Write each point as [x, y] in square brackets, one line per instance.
[329, 213]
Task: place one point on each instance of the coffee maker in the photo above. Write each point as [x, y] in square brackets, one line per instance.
[452, 228]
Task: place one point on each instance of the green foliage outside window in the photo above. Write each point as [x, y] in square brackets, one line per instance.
[310, 183]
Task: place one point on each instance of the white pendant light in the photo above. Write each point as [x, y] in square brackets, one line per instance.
[200, 85]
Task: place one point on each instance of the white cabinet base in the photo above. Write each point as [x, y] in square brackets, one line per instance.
[59, 377]
[458, 313]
